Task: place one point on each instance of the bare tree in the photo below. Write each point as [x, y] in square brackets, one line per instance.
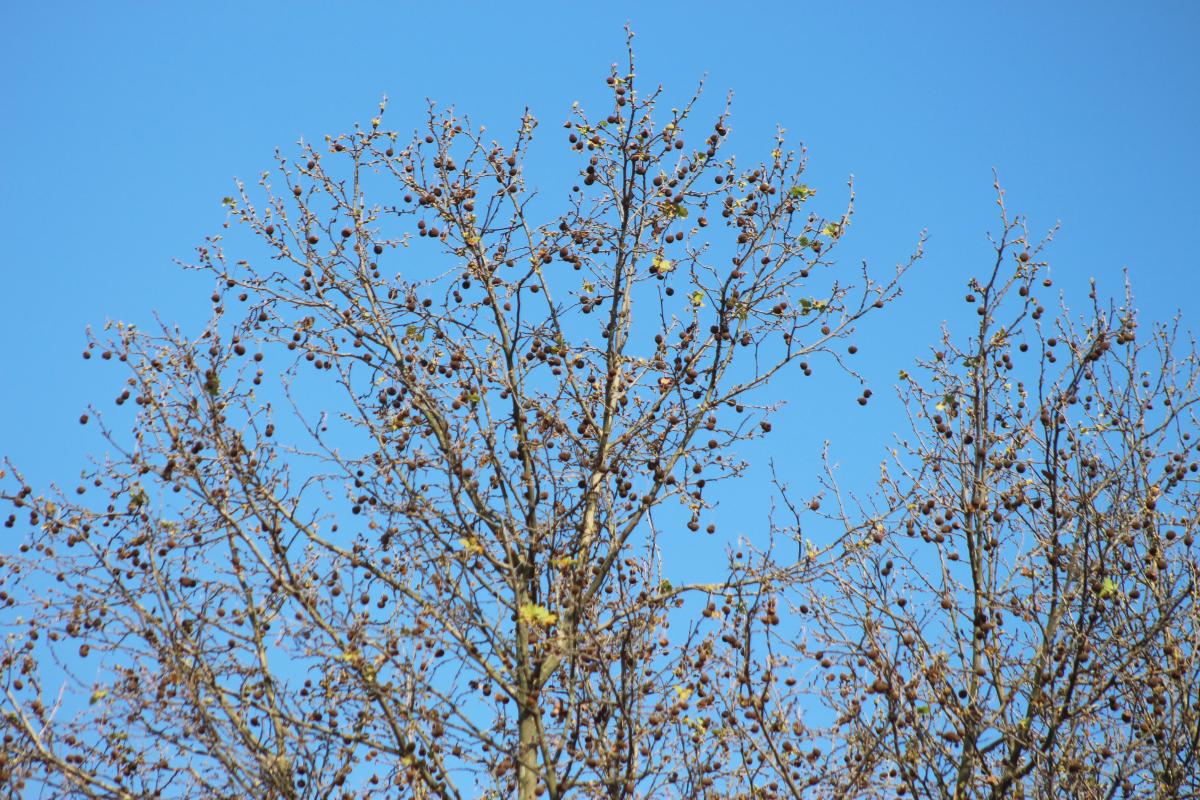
[1025, 624]
[422, 554]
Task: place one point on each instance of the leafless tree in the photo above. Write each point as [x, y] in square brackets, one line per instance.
[394, 523]
[1025, 624]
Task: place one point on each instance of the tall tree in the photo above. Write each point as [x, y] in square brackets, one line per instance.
[409, 517]
[398, 527]
[1026, 624]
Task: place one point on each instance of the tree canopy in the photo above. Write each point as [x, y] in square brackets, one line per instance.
[395, 522]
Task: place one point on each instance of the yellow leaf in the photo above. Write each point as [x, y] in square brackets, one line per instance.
[538, 615]
[662, 265]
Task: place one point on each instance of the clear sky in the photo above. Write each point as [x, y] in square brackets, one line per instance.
[123, 124]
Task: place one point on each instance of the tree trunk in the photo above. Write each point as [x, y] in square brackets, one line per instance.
[527, 755]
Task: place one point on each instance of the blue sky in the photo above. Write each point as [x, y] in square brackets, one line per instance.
[124, 124]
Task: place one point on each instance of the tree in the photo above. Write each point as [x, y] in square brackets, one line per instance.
[408, 522]
[438, 573]
[1026, 623]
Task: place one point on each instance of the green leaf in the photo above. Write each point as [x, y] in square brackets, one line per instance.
[697, 298]
[810, 304]
[137, 499]
[681, 211]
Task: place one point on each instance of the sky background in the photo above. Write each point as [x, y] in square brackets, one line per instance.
[122, 125]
